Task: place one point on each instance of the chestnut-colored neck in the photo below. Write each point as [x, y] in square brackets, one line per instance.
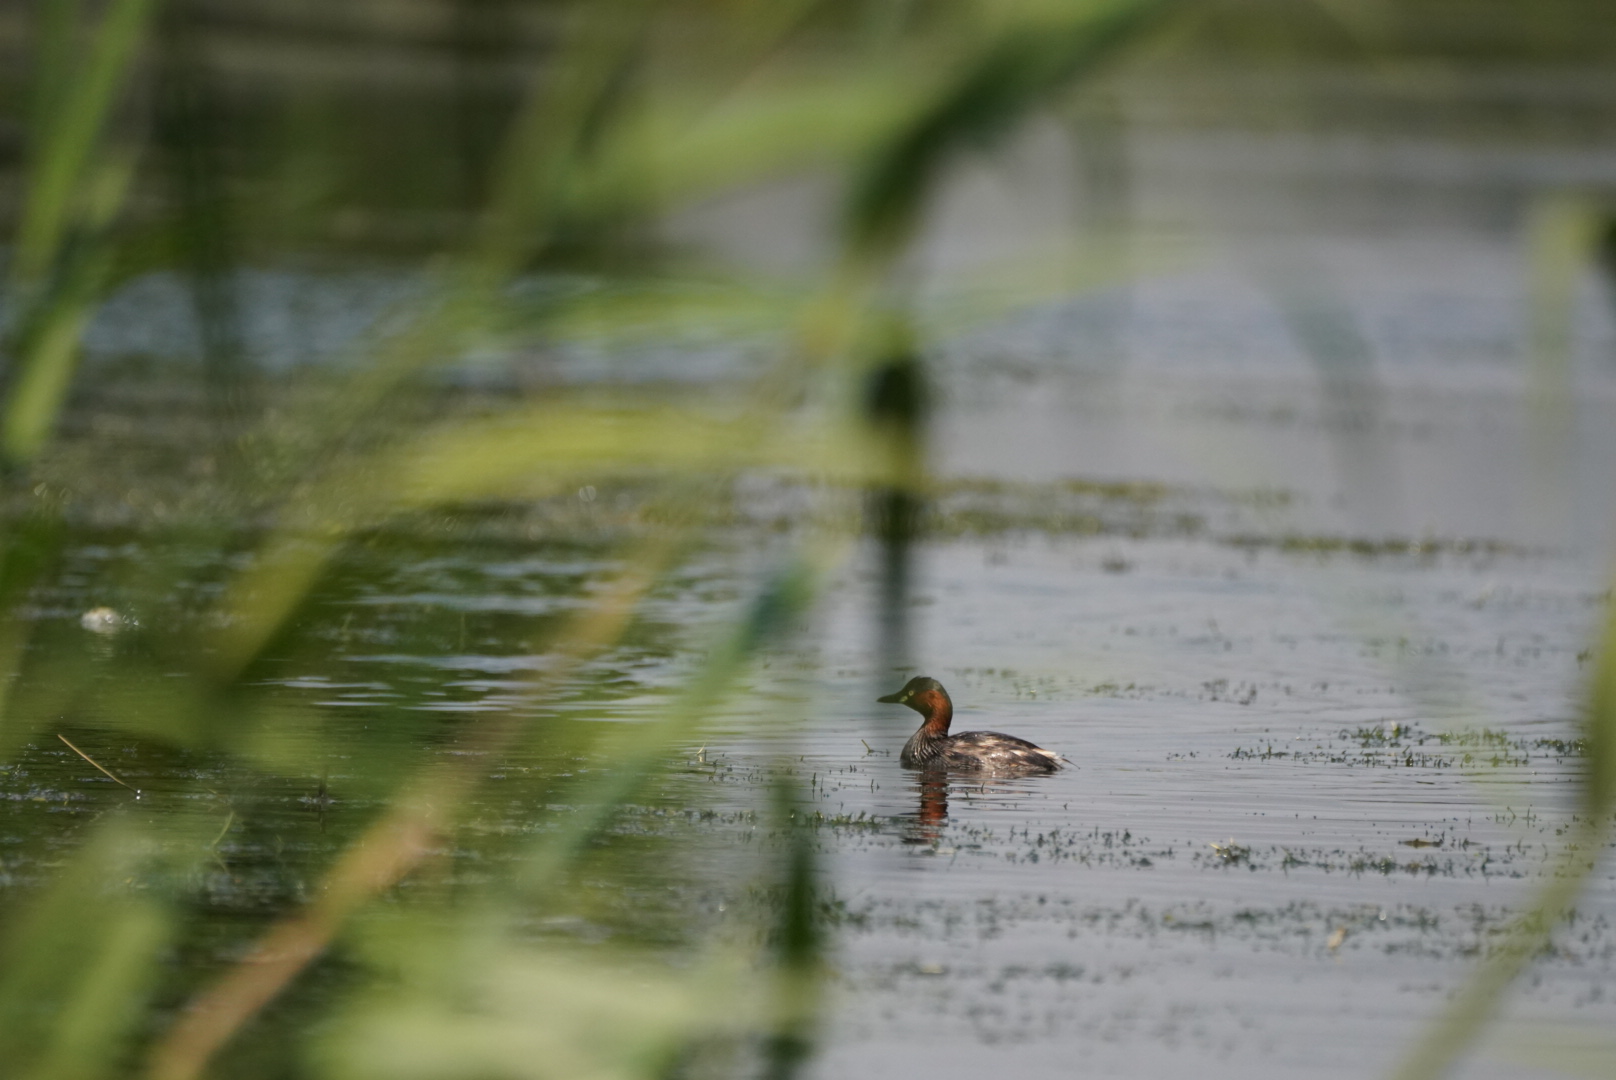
[936, 708]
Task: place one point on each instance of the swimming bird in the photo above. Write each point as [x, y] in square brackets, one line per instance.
[983, 751]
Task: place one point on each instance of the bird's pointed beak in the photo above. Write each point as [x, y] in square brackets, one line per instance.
[893, 699]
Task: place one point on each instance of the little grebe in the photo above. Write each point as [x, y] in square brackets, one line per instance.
[986, 751]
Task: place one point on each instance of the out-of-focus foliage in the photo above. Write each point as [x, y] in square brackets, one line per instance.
[76, 176]
[494, 146]
[521, 158]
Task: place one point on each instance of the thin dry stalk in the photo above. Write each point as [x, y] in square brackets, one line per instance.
[104, 770]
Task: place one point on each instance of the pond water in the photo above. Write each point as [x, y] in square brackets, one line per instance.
[1310, 628]
[1314, 779]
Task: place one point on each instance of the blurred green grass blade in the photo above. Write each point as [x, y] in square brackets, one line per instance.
[60, 260]
[87, 1037]
[1563, 236]
[128, 702]
[613, 314]
[1032, 59]
[549, 444]
[1562, 240]
[57, 22]
[63, 151]
[662, 310]
[673, 152]
[422, 810]
[451, 1003]
[1457, 1029]
[46, 343]
[590, 148]
[467, 287]
[48, 353]
[576, 95]
[524, 454]
[633, 755]
[563, 163]
[76, 965]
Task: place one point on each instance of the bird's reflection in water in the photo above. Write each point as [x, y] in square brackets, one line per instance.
[932, 788]
[926, 824]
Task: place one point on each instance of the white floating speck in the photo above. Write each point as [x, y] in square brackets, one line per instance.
[102, 620]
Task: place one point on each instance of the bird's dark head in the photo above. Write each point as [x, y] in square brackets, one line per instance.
[924, 695]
